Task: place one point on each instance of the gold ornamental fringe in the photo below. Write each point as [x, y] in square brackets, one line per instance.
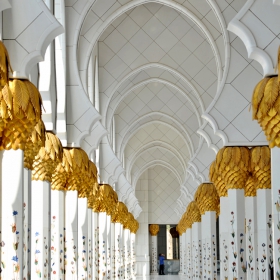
[260, 167]
[266, 107]
[154, 230]
[206, 198]
[47, 159]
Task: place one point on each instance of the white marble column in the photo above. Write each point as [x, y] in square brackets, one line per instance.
[133, 255]
[71, 235]
[251, 237]
[196, 250]
[82, 238]
[95, 245]
[224, 237]
[26, 222]
[237, 241]
[40, 192]
[184, 252]
[181, 260]
[209, 247]
[102, 224]
[275, 189]
[122, 253]
[118, 246]
[57, 234]
[264, 226]
[189, 272]
[109, 247]
[127, 253]
[89, 242]
[113, 252]
[11, 214]
[154, 256]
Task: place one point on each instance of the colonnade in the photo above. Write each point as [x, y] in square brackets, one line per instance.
[56, 221]
[241, 191]
[244, 187]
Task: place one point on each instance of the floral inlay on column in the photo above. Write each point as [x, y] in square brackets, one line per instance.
[225, 260]
[250, 247]
[277, 207]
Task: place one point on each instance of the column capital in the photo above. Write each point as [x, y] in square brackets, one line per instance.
[47, 159]
[154, 229]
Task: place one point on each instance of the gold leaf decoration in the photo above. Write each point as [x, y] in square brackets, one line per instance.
[34, 143]
[206, 198]
[235, 172]
[21, 117]
[261, 167]
[154, 229]
[216, 178]
[194, 213]
[250, 187]
[5, 65]
[266, 107]
[48, 158]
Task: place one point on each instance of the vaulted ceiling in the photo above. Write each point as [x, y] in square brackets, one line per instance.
[175, 85]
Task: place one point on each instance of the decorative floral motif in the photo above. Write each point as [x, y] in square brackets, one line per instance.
[225, 260]
[277, 206]
[16, 238]
[36, 253]
[96, 257]
[251, 248]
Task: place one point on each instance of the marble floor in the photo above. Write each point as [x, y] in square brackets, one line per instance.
[160, 277]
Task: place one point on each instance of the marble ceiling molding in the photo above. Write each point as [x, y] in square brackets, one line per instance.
[133, 129]
[195, 173]
[148, 81]
[193, 176]
[154, 144]
[160, 66]
[123, 187]
[224, 137]
[223, 27]
[160, 148]
[216, 130]
[248, 38]
[91, 137]
[35, 47]
[82, 64]
[4, 5]
[118, 171]
[112, 166]
[208, 140]
[146, 124]
[152, 164]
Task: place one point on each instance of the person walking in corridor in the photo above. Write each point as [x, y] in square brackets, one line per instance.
[161, 264]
